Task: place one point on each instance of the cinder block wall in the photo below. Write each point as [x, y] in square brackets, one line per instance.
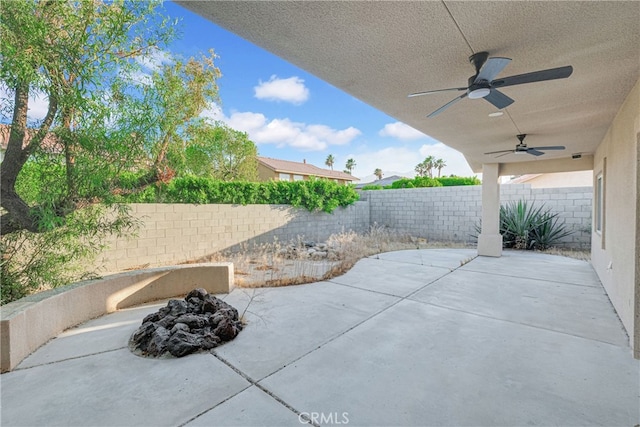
[174, 233]
[450, 213]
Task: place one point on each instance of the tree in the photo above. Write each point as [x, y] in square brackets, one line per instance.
[221, 153]
[330, 161]
[72, 54]
[163, 110]
[439, 164]
[378, 173]
[350, 166]
[67, 52]
[425, 168]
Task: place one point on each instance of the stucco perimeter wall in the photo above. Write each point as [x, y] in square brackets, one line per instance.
[450, 213]
[174, 233]
[28, 323]
[615, 251]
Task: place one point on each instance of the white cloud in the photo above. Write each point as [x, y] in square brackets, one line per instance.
[214, 113]
[401, 131]
[403, 160]
[154, 59]
[38, 104]
[287, 133]
[290, 90]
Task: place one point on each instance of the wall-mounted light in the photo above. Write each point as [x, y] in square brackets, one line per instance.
[496, 114]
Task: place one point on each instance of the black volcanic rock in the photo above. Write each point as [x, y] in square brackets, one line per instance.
[200, 322]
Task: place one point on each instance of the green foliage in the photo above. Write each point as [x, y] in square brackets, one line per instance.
[524, 226]
[314, 194]
[38, 261]
[458, 180]
[373, 187]
[417, 182]
[221, 153]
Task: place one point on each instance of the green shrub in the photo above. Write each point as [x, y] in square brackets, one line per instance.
[314, 194]
[34, 262]
[373, 187]
[448, 181]
[417, 182]
[527, 227]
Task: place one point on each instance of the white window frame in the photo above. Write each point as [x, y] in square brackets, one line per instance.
[599, 204]
[284, 177]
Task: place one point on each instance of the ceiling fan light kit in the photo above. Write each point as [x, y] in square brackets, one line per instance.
[521, 148]
[484, 83]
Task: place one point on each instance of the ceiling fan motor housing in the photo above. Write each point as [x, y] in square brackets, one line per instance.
[478, 89]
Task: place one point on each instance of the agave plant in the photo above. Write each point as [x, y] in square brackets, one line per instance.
[550, 231]
[524, 226]
[517, 220]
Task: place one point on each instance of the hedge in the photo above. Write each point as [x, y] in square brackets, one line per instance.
[314, 194]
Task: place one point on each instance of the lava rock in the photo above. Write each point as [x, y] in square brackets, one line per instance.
[200, 322]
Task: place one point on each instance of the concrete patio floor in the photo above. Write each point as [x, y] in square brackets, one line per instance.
[409, 338]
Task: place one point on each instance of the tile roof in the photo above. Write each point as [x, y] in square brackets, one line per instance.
[49, 144]
[287, 166]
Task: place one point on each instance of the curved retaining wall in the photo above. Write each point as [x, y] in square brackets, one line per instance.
[30, 322]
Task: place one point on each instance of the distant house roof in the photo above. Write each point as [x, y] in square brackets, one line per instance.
[286, 166]
[382, 182]
[49, 144]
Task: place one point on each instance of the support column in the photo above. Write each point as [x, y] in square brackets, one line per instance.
[490, 239]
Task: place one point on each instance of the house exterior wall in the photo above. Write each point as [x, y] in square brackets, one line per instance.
[562, 179]
[266, 174]
[615, 251]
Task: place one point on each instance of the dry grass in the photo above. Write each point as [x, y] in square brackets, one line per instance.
[277, 264]
[274, 264]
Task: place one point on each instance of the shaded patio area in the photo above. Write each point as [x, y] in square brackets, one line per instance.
[408, 338]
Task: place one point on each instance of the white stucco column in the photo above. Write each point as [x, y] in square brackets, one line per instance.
[490, 239]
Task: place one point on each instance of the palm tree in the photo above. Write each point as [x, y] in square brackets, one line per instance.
[439, 164]
[351, 164]
[378, 173]
[330, 161]
[425, 168]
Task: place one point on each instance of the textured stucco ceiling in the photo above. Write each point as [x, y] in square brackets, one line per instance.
[380, 52]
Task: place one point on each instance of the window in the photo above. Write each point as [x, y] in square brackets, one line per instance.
[599, 204]
[284, 177]
[298, 177]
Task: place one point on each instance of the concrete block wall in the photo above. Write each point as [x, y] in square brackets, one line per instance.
[174, 233]
[451, 213]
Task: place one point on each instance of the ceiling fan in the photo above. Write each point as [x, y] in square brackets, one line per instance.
[484, 83]
[522, 148]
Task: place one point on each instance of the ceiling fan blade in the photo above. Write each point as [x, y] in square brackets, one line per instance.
[504, 154]
[498, 99]
[553, 147]
[447, 105]
[500, 151]
[536, 76]
[491, 68]
[435, 91]
[534, 152]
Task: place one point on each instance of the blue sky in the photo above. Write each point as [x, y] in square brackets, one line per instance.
[292, 115]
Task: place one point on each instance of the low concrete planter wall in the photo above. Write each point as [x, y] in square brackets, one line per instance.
[30, 322]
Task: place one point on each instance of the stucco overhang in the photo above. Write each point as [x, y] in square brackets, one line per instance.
[380, 52]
